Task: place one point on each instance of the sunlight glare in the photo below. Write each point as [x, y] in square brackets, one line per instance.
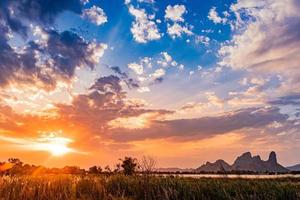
[57, 146]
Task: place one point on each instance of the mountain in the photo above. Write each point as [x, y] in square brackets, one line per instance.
[219, 165]
[245, 162]
[294, 168]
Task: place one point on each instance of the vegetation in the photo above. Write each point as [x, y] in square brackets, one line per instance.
[129, 165]
[131, 180]
[92, 187]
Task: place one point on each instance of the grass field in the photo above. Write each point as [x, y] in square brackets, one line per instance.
[96, 187]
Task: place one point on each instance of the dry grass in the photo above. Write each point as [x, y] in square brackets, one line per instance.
[96, 187]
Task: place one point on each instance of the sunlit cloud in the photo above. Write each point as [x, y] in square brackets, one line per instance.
[48, 142]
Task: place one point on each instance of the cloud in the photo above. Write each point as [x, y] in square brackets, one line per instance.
[39, 11]
[202, 39]
[146, 1]
[48, 142]
[166, 60]
[144, 29]
[175, 15]
[151, 70]
[143, 89]
[137, 68]
[87, 113]
[158, 73]
[44, 63]
[214, 16]
[205, 127]
[51, 56]
[130, 82]
[95, 14]
[293, 99]
[104, 102]
[267, 40]
[177, 30]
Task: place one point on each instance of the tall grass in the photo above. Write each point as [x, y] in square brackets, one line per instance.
[97, 187]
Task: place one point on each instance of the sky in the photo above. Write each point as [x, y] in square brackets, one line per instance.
[86, 82]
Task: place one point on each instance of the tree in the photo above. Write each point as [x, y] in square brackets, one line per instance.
[129, 165]
[147, 164]
[15, 161]
[117, 168]
[95, 170]
[107, 169]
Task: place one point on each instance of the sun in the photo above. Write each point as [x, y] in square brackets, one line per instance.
[57, 146]
[58, 149]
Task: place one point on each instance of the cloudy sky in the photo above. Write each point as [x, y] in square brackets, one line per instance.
[87, 82]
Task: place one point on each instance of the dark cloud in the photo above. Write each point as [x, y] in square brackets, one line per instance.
[118, 71]
[203, 127]
[104, 102]
[52, 57]
[293, 99]
[130, 82]
[43, 64]
[38, 11]
[158, 80]
[107, 84]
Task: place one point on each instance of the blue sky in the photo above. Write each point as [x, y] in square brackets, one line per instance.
[116, 32]
[124, 49]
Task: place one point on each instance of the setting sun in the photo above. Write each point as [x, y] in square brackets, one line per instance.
[55, 145]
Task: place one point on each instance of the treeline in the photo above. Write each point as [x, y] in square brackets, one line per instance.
[127, 166]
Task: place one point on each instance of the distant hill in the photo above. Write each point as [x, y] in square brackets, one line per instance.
[294, 168]
[219, 165]
[245, 162]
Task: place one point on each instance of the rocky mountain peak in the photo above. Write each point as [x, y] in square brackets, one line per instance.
[272, 157]
[244, 158]
[246, 162]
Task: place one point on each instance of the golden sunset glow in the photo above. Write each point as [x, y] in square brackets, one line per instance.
[57, 146]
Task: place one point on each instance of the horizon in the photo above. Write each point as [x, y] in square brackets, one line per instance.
[86, 82]
[154, 162]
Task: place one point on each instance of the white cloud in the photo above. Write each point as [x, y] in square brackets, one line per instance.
[166, 60]
[181, 67]
[269, 42]
[96, 51]
[214, 16]
[143, 89]
[144, 28]
[202, 39]
[147, 1]
[174, 63]
[175, 13]
[137, 68]
[158, 73]
[167, 57]
[176, 30]
[146, 61]
[95, 14]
